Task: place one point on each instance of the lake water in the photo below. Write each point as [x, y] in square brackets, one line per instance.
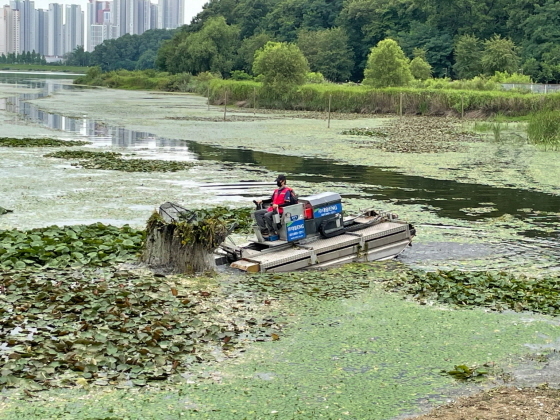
[442, 197]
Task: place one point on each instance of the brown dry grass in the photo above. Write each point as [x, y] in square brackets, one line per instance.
[505, 403]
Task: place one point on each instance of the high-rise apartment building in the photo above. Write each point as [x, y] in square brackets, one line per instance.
[171, 13]
[42, 32]
[134, 17]
[10, 32]
[73, 28]
[154, 16]
[27, 26]
[99, 23]
[55, 37]
[142, 17]
[3, 21]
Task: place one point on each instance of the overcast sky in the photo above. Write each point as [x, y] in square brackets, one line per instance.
[192, 7]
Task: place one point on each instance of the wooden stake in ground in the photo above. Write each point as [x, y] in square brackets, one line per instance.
[225, 105]
[329, 123]
[254, 101]
[182, 244]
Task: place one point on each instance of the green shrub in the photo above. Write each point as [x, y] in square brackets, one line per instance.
[240, 75]
[314, 77]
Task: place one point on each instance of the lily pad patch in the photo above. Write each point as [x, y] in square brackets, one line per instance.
[41, 142]
[116, 162]
[108, 327]
[54, 246]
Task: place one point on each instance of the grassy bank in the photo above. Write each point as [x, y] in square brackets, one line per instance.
[340, 98]
[411, 101]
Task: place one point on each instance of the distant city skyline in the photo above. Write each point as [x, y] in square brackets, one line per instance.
[192, 7]
[59, 28]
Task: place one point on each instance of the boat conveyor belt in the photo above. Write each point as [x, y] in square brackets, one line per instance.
[381, 241]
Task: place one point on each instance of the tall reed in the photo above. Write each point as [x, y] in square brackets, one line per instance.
[544, 129]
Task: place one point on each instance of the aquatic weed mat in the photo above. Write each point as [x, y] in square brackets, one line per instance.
[67, 246]
[373, 356]
[118, 162]
[415, 135]
[496, 290]
[112, 327]
[39, 142]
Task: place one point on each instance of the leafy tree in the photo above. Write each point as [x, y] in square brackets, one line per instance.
[499, 55]
[531, 67]
[78, 57]
[387, 66]
[249, 15]
[542, 37]
[246, 52]
[550, 66]
[112, 54]
[146, 60]
[282, 66]
[240, 75]
[420, 68]
[328, 53]
[290, 16]
[211, 49]
[369, 21]
[437, 44]
[468, 57]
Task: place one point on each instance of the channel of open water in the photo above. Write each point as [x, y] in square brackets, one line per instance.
[444, 198]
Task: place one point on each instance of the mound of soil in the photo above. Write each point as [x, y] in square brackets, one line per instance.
[505, 403]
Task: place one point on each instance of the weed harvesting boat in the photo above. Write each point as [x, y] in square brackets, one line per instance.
[315, 234]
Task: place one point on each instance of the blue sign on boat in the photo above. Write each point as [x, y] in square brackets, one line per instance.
[327, 210]
[295, 230]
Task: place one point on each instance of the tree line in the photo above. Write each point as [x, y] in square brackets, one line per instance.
[338, 34]
[23, 58]
[128, 52]
[456, 38]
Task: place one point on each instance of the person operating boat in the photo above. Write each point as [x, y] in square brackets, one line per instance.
[281, 197]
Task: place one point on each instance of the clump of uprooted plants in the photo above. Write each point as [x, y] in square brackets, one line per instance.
[116, 162]
[40, 142]
[185, 242]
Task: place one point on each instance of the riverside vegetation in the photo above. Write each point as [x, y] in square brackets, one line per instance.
[433, 98]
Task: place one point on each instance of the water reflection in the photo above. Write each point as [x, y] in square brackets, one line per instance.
[448, 199]
[86, 128]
